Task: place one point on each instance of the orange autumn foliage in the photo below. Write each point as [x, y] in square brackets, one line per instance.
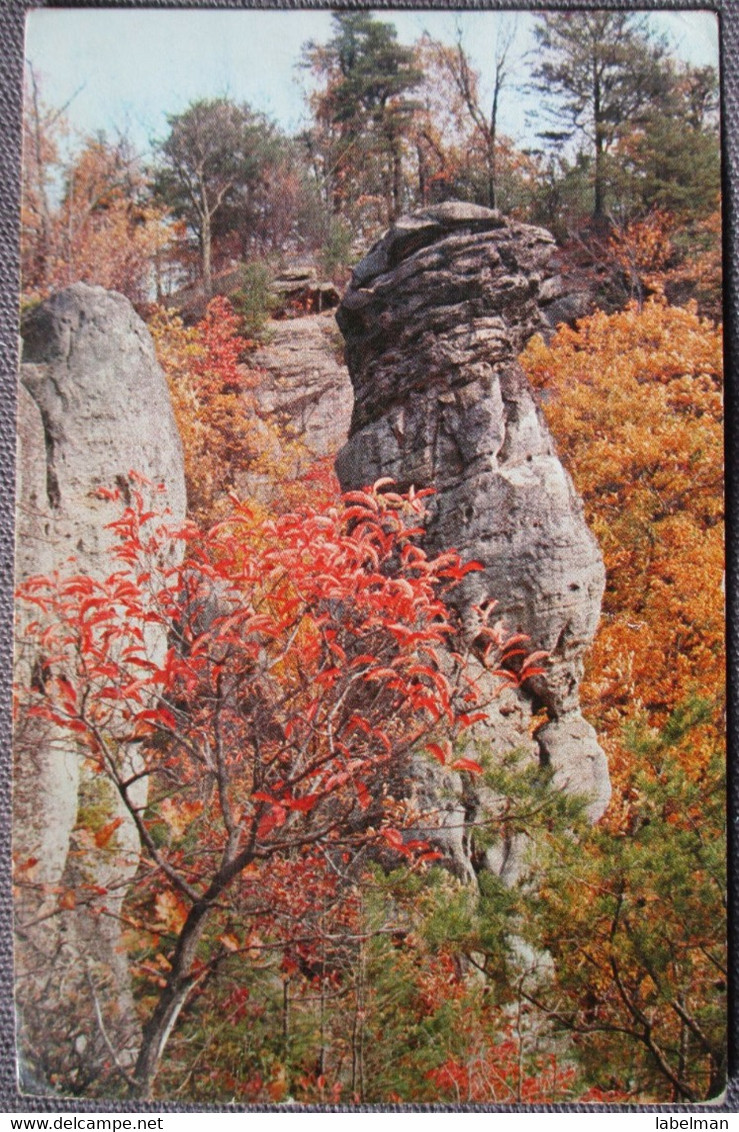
[643, 249]
[658, 255]
[110, 233]
[634, 401]
[104, 231]
[227, 445]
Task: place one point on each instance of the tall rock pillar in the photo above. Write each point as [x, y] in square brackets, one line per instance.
[93, 406]
[434, 319]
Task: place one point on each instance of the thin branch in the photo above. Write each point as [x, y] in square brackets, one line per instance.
[130, 1081]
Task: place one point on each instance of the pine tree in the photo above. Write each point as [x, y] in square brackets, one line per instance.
[599, 73]
[363, 110]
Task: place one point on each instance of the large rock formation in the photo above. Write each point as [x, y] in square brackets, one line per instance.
[305, 387]
[93, 406]
[434, 319]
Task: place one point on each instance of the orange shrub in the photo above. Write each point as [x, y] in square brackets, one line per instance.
[634, 401]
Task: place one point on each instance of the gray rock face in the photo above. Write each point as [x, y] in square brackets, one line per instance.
[434, 319]
[305, 384]
[89, 366]
[93, 406]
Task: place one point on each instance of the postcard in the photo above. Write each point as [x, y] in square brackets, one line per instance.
[370, 662]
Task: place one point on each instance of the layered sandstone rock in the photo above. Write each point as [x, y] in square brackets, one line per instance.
[434, 319]
[305, 386]
[93, 406]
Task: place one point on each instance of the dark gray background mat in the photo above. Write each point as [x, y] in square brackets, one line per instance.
[12, 17]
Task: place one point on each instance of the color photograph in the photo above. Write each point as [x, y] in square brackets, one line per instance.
[369, 731]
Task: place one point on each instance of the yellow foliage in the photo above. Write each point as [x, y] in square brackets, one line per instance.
[634, 402]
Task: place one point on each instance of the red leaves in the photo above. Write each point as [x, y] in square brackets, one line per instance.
[469, 765]
[112, 494]
[103, 835]
[273, 818]
[437, 752]
[394, 839]
[303, 805]
[468, 720]
[410, 848]
[67, 694]
[216, 366]
[285, 803]
[152, 719]
[24, 866]
[363, 796]
[449, 565]
[532, 666]
[270, 683]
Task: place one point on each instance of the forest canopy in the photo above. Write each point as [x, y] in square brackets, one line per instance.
[626, 137]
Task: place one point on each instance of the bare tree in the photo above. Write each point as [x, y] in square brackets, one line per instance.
[481, 109]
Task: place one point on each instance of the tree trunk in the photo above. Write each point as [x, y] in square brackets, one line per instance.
[397, 178]
[599, 206]
[422, 175]
[492, 138]
[181, 981]
[171, 1001]
[43, 243]
[491, 173]
[205, 213]
[205, 255]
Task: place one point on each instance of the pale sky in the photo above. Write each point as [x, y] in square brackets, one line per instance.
[132, 67]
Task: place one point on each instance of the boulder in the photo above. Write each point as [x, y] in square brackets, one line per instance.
[434, 319]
